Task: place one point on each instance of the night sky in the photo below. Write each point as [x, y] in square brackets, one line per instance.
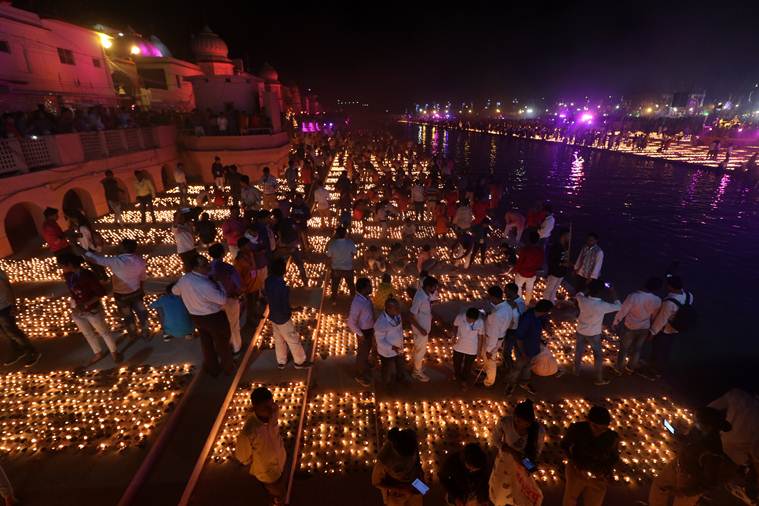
[393, 55]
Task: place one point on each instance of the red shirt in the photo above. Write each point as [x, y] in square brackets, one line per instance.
[535, 218]
[529, 261]
[53, 236]
[306, 174]
[232, 230]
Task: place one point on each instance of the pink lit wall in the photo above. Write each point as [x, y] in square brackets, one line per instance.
[215, 92]
[32, 69]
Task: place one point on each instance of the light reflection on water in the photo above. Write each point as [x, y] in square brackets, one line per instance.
[648, 213]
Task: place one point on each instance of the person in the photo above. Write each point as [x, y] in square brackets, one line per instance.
[421, 324]
[234, 180]
[180, 178]
[286, 337]
[205, 300]
[469, 332]
[517, 437]
[397, 467]
[361, 322]
[232, 229]
[546, 225]
[206, 230]
[408, 232]
[464, 476]
[299, 214]
[249, 195]
[129, 273]
[425, 260]
[741, 444]
[145, 192]
[321, 200]
[529, 260]
[260, 444]
[700, 463]
[288, 242]
[514, 221]
[588, 264]
[440, 217]
[634, 321]
[463, 218]
[341, 252]
[217, 172]
[664, 328]
[528, 340]
[590, 326]
[22, 349]
[374, 259]
[175, 320]
[53, 234]
[592, 450]
[558, 264]
[418, 198]
[226, 276]
[113, 195]
[384, 291]
[269, 189]
[185, 241]
[204, 196]
[252, 282]
[388, 335]
[497, 323]
[518, 308]
[87, 308]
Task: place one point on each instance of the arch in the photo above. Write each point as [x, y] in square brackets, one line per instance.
[22, 222]
[76, 199]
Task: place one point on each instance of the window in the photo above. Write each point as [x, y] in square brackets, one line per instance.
[179, 80]
[153, 78]
[96, 62]
[4, 46]
[66, 56]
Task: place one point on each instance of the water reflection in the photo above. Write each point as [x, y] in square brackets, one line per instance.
[723, 182]
[576, 174]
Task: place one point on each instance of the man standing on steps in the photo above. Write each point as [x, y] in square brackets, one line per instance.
[421, 323]
[145, 191]
[129, 273]
[590, 326]
[280, 314]
[18, 340]
[204, 300]
[341, 252]
[634, 320]
[361, 322]
[269, 188]
[260, 444]
[113, 195]
[664, 328]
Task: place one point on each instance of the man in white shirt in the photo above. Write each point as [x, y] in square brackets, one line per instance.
[590, 260]
[388, 332]
[635, 316]
[260, 444]
[129, 272]
[361, 322]
[185, 240]
[418, 197]
[180, 178]
[497, 324]
[590, 326]
[663, 331]
[269, 189]
[420, 314]
[249, 194]
[546, 226]
[205, 300]
[321, 200]
[341, 252]
[469, 332]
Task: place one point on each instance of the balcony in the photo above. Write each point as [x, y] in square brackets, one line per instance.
[22, 155]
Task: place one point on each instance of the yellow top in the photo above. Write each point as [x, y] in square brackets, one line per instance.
[144, 188]
[383, 292]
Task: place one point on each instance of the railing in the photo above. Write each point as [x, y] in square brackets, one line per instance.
[35, 152]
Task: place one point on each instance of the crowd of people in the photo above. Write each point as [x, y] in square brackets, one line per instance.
[508, 334]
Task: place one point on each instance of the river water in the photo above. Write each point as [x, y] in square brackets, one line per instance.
[648, 215]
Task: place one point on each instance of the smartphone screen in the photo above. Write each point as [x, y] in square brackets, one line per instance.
[420, 486]
[528, 464]
[669, 427]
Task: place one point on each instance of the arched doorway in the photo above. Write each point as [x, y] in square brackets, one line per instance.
[167, 178]
[78, 201]
[21, 223]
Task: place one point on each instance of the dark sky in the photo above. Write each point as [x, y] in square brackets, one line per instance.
[393, 55]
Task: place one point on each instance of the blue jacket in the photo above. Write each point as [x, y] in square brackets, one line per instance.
[278, 296]
[529, 331]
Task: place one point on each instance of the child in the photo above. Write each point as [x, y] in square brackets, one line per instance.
[409, 230]
[383, 292]
[206, 230]
[425, 260]
[374, 259]
[469, 339]
[175, 320]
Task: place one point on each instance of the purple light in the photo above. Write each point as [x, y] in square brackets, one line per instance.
[562, 115]
[586, 118]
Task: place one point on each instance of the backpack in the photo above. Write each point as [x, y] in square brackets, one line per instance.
[686, 317]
